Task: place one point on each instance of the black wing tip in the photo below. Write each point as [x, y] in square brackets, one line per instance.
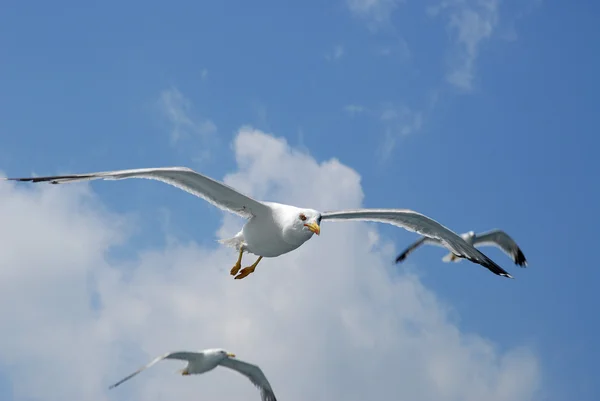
[31, 179]
[401, 257]
[498, 271]
[491, 266]
[52, 179]
[520, 259]
[267, 395]
[17, 179]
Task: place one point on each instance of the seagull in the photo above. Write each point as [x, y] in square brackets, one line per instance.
[203, 361]
[273, 229]
[495, 237]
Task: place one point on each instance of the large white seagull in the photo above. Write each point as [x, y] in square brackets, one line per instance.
[274, 229]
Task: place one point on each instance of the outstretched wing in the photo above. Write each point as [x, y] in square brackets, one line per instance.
[255, 374]
[502, 240]
[184, 356]
[421, 224]
[415, 245]
[215, 192]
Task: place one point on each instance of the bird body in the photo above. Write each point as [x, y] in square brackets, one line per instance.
[202, 362]
[273, 234]
[273, 229]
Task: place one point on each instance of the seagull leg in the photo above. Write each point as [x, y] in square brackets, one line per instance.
[238, 265]
[247, 270]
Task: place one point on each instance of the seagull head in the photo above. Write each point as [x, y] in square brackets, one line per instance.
[308, 220]
[224, 353]
[299, 225]
[469, 235]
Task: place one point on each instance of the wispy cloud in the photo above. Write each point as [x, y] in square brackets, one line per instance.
[397, 121]
[184, 122]
[336, 54]
[261, 113]
[384, 50]
[510, 30]
[470, 23]
[399, 49]
[376, 12]
[354, 109]
[204, 74]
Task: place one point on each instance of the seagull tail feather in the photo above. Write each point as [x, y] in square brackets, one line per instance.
[235, 242]
[451, 258]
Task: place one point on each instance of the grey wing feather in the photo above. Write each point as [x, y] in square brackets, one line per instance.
[214, 192]
[502, 240]
[411, 248]
[421, 224]
[255, 374]
[184, 356]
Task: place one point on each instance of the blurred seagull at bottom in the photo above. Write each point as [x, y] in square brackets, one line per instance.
[204, 361]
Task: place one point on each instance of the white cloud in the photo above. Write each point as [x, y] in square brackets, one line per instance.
[336, 54]
[354, 109]
[510, 29]
[384, 50]
[470, 22]
[184, 124]
[261, 113]
[399, 121]
[203, 74]
[325, 322]
[378, 12]
[398, 48]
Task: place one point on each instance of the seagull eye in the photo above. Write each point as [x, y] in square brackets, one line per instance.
[302, 217]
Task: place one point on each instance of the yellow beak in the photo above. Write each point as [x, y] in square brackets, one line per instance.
[229, 354]
[314, 227]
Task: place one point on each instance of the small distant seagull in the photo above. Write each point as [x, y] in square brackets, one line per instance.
[204, 361]
[497, 238]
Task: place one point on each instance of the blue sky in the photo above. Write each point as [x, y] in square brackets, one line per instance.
[478, 114]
